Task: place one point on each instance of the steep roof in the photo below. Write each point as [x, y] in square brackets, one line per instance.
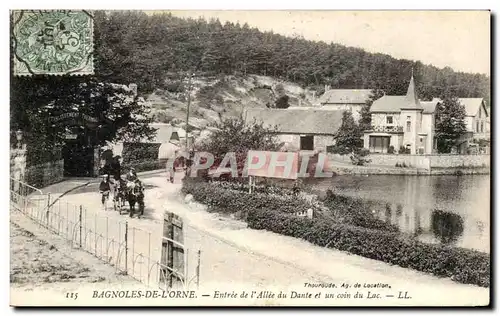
[471, 105]
[388, 103]
[295, 121]
[429, 106]
[396, 103]
[345, 96]
[411, 99]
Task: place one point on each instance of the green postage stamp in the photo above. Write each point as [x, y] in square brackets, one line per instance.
[53, 42]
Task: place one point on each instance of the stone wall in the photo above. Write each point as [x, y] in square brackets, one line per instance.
[456, 161]
[424, 161]
[430, 164]
[17, 166]
[45, 174]
[413, 161]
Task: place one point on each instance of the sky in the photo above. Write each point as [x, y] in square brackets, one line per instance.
[458, 39]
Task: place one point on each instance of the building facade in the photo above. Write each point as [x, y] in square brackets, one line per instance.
[477, 117]
[402, 124]
[345, 100]
[300, 129]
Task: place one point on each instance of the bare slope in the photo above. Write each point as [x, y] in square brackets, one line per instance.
[213, 98]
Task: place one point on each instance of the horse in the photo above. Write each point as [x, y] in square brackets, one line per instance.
[135, 195]
[120, 195]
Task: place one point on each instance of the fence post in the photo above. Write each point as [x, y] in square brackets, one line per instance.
[126, 247]
[198, 271]
[106, 243]
[80, 221]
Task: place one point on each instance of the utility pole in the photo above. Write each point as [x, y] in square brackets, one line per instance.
[188, 105]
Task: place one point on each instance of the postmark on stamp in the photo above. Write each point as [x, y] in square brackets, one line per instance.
[53, 42]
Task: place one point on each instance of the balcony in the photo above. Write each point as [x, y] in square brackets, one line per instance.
[387, 129]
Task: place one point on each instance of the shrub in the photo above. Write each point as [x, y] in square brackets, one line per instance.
[459, 264]
[404, 151]
[358, 157]
[233, 197]
[44, 174]
[390, 150]
[282, 102]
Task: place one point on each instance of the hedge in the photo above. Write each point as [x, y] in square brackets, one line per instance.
[45, 174]
[232, 196]
[461, 265]
[220, 197]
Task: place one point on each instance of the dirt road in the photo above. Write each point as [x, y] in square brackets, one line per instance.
[236, 257]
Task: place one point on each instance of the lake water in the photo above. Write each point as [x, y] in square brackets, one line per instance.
[454, 210]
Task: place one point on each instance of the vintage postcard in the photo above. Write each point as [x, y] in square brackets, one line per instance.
[250, 158]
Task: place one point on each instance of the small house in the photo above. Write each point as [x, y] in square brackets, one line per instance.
[307, 129]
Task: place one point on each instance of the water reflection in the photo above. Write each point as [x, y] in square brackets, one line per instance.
[446, 226]
[434, 209]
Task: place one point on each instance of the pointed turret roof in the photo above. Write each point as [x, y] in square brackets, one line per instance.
[411, 99]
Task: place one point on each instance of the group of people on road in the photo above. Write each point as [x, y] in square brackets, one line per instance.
[116, 184]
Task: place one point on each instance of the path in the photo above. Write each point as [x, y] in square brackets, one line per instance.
[103, 232]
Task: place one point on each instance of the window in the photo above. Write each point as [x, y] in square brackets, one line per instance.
[482, 127]
[379, 144]
[408, 118]
[306, 142]
[480, 112]
[421, 140]
[389, 120]
[477, 127]
[408, 126]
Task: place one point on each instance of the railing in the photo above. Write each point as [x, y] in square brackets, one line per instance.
[130, 250]
[387, 129]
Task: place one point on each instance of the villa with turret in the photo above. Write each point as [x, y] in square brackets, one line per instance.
[407, 122]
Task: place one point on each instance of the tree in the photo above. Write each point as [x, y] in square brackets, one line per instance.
[146, 46]
[101, 110]
[109, 111]
[348, 137]
[348, 140]
[366, 117]
[236, 135]
[450, 124]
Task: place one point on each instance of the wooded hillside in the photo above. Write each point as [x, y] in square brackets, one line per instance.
[134, 46]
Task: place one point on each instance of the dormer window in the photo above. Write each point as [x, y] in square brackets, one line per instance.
[390, 120]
